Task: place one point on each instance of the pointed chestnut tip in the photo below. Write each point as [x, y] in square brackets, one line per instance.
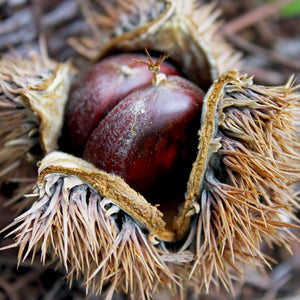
[154, 66]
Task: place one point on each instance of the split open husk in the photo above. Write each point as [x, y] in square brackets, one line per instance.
[187, 29]
[239, 192]
[85, 217]
[240, 189]
[242, 184]
[33, 93]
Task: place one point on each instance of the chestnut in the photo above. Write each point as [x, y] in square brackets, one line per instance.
[99, 89]
[141, 129]
[145, 134]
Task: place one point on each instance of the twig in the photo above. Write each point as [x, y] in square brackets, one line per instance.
[53, 291]
[9, 290]
[253, 16]
[58, 15]
[26, 278]
[16, 21]
[25, 25]
[249, 47]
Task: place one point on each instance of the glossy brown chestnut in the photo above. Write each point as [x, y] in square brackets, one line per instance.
[147, 134]
[98, 90]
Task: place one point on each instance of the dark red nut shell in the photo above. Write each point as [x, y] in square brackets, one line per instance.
[146, 134]
[96, 92]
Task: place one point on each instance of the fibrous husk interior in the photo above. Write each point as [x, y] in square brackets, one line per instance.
[184, 28]
[243, 178]
[93, 239]
[33, 93]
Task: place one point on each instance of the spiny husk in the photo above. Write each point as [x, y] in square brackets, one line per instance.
[91, 236]
[109, 186]
[239, 192]
[243, 178]
[33, 92]
[187, 29]
[240, 185]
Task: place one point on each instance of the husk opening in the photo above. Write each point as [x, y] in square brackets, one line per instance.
[243, 177]
[240, 188]
[91, 236]
[33, 93]
[186, 29]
